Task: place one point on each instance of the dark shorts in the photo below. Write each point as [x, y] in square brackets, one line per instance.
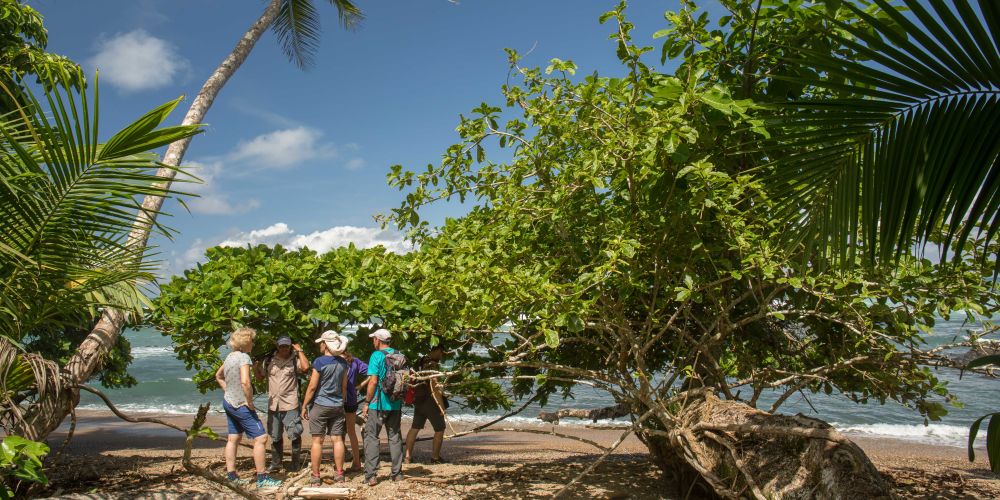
[243, 421]
[427, 410]
[327, 420]
[351, 408]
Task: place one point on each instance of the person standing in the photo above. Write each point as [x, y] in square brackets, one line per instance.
[241, 416]
[428, 404]
[282, 370]
[327, 386]
[382, 411]
[357, 367]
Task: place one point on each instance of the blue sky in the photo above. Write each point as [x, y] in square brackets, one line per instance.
[300, 157]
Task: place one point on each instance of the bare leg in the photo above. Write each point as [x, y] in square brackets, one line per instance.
[232, 444]
[316, 453]
[259, 449]
[436, 445]
[411, 439]
[338, 453]
[352, 433]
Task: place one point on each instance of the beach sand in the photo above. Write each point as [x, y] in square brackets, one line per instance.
[110, 458]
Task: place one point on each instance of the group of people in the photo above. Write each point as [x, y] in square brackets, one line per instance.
[329, 405]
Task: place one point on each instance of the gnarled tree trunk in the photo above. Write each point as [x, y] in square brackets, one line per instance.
[731, 450]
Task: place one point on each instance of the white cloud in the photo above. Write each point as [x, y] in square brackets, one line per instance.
[210, 200]
[137, 61]
[341, 236]
[272, 235]
[321, 241]
[283, 148]
[355, 163]
[281, 234]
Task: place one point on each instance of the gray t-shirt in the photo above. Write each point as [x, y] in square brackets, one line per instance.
[332, 371]
[234, 394]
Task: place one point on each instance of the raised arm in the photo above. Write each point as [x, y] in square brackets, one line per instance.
[303, 360]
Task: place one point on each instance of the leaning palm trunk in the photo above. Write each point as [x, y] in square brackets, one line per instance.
[92, 350]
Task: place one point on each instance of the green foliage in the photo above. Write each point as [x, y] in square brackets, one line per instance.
[993, 428]
[67, 205]
[20, 460]
[23, 38]
[628, 244]
[992, 440]
[908, 144]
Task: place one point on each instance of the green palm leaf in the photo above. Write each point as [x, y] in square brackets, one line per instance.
[67, 204]
[298, 29]
[913, 144]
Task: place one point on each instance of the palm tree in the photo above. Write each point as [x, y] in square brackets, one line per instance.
[67, 204]
[296, 25]
[913, 150]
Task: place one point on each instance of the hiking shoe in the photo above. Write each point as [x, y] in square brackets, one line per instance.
[371, 481]
[315, 481]
[397, 478]
[238, 481]
[338, 477]
[274, 468]
[268, 482]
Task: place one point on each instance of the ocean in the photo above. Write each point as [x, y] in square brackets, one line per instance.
[165, 386]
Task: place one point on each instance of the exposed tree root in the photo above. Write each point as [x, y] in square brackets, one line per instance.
[740, 451]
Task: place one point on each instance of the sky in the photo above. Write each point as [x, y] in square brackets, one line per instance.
[300, 157]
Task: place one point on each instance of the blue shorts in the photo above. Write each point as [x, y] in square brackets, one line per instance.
[243, 421]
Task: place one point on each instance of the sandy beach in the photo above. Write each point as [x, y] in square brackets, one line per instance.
[110, 458]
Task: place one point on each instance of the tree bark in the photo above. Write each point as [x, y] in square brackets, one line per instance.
[730, 450]
[92, 350]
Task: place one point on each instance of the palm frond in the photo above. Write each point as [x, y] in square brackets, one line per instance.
[297, 27]
[67, 204]
[913, 145]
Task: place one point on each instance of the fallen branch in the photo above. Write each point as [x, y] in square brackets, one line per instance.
[479, 428]
[195, 431]
[289, 482]
[594, 465]
[595, 414]
[621, 439]
[807, 432]
[550, 433]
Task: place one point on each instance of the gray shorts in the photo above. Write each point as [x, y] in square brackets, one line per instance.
[427, 410]
[327, 420]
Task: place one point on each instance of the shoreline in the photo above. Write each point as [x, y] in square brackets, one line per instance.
[125, 460]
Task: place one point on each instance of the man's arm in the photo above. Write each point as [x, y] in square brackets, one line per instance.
[370, 394]
[437, 393]
[310, 390]
[258, 370]
[303, 360]
[247, 388]
[220, 377]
